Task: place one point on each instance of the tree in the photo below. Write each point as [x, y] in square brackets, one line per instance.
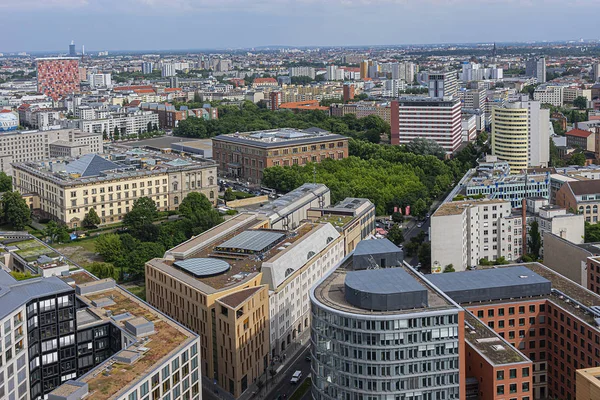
[578, 159]
[109, 246]
[5, 182]
[419, 209]
[57, 232]
[91, 219]
[501, 261]
[580, 102]
[425, 147]
[149, 127]
[395, 235]
[229, 196]
[592, 233]
[142, 214]
[116, 133]
[155, 127]
[397, 217]
[198, 213]
[449, 268]
[102, 270]
[15, 210]
[535, 240]
[104, 135]
[425, 255]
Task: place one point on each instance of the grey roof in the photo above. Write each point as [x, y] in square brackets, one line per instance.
[17, 293]
[375, 246]
[203, 267]
[250, 138]
[491, 284]
[253, 240]
[90, 165]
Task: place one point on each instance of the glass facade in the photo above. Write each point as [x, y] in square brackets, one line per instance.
[403, 356]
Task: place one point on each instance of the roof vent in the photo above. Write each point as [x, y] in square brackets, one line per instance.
[498, 347]
[523, 276]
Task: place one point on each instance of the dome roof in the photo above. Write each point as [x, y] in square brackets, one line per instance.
[8, 121]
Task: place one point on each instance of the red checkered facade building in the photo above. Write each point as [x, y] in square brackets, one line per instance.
[58, 76]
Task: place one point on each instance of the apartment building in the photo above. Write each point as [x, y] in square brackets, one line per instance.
[475, 99]
[75, 336]
[464, 232]
[22, 146]
[550, 94]
[521, 135]
[246, 155]
[379, 330]
[582, 197]
[129, 123]
[67, 188]
[363, 109]
[578, 138]
[169, 117]
[436, 119]
[57, 76]
[302, 71]
[239, 270]
[536, 67]
[442, 84]
[571, 93]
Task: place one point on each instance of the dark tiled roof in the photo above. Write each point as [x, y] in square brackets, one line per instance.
[237, 298]
[585, 187]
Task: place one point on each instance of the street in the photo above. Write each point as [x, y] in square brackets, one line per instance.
[412, 232]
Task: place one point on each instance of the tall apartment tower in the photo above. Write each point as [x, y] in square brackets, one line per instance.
[442, 84]
[381, 329]
[147, 67]
[536, 67]
[57, 76]
[348, 92]
[521, 134]
[596, 72]
[167, 70]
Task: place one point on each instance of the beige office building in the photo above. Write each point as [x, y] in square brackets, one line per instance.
[68, 188]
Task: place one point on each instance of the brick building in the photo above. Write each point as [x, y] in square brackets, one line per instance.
[246, 155]
[57, 76]
[585, 140]
[582, 197]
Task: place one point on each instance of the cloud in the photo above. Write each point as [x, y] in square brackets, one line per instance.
[44, 4]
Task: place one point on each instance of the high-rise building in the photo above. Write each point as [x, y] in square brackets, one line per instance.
[536, 67]
[58, 76]
[380, 330]
[302, 71]
[348, 92]
[100, 80]
[72, 52]
[167, 70]
[275, 100]
[596, 72]
[364, 68]
[442, 84]
[147, 67]
[173, 82]
[521, 135]
[430, 118]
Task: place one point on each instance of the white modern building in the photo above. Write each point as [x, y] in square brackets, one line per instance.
[167, 70]
[302, 71]
[99, 80]
[129, 124]
[550, 94]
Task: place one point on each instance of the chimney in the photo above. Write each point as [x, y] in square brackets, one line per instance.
[524, 225]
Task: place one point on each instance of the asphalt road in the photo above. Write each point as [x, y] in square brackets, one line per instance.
[284, 387]
[412, 232]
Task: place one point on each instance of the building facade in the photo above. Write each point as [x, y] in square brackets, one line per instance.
[57, 77]
[442, 84]
[536, 67]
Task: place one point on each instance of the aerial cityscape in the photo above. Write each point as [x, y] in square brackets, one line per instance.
[265, 204]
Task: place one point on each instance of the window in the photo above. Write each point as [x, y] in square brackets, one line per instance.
[500, 375]
[500, 389]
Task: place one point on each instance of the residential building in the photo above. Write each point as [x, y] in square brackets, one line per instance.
[550, 94]
[167, 70]
[302, 71]
[275, 100]
[442, 84]
[264, 82]
[247, 276]
[464, 232]
[536, 67]
[147, 67]
[22, 146]
[521, 135]
[476, 72]
[129, 123]
[245, 155]
[348, 92]
[585, 140]
[58, 76]
[415, 341]
[75, 336]
[99, 80]
[430, 118]
[475, 99]
[393, 87]
[469, 127]
[67, 188]
[405, 71]
[169, 116]
[582, 197]
[299, 106]
[362, 109]
[571, 93]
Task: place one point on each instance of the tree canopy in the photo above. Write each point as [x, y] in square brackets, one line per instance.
[5, 182]
[91, 219]
[15, 210]
[426, 147]
[580, 102]
[142, 216]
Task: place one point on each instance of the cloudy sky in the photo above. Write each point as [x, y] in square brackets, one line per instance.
[50, 25]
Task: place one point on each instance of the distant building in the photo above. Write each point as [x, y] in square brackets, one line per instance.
[442, 84]
[169, 117]
[260, 82]
[147, 67]
[536, 67]
[362, 109]
[246, 155]
[348, 92]
[275, 100]
[57, 77]
[302, 71]
[167, 70]
[99, 80]
[437, 119]
[585, 140]
[596, 72]
[72, 52]
[550, 94]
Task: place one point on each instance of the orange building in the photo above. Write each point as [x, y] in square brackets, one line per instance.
[57, 76]
[307, 105]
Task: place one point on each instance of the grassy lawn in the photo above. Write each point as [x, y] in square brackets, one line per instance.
[138, 290]
[81, 251]
[302, 390]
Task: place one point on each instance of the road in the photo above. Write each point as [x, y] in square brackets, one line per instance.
[412, 232]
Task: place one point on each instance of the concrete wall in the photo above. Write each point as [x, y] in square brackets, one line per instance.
[247, 202]
[566, 258]
[447, 241]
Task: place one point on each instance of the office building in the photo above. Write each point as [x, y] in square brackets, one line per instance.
[588, 383]
[464, 232]
[167, 70]
[549, 94]
[521, 135]
[596, 72]
[436, 119]
[362, 109]
[581, 196]
[72, 336]
[584, 140]
[302, 71]
[536, 67]
[442, 84]
[169, 116]
[58, 76]
[246, 274]
[72, 52]
[22, 146]
[245, 155]
[129, 123]
[571, 93]
[147, 67]
[475, 99]
[381, 330]
[99, 80]
[348, 92]
[67, 188]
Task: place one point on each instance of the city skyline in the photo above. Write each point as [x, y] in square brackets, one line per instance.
[148, 24]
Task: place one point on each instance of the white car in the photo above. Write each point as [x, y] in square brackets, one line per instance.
[296, 377]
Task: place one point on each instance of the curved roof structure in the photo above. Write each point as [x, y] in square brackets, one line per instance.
[203, 267]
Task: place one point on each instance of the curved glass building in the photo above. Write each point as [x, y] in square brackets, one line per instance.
[379, 331]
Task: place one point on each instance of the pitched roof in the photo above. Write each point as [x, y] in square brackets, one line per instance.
[90, 165]
[584, 187]
[237, 298]
[265, 80]
[579, 133]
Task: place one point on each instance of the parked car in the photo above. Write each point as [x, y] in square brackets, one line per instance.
[296, 377]
[420, 225]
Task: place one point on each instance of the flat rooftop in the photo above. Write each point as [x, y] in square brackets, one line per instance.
[458, 207]
[279, 137]
[331, 292]
[244, 264]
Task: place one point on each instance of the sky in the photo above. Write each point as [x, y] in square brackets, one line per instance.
[50, 25]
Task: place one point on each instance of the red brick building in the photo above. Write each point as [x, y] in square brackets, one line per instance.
[57, 77]
[348, 92]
